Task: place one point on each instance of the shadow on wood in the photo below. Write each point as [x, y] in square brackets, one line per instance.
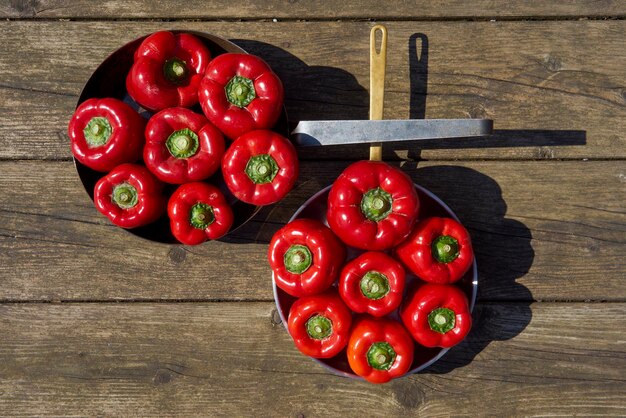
[503, 253]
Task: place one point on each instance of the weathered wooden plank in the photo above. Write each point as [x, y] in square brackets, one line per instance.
[233, 359]
[294, 9]
[542, 231]
[554, 89]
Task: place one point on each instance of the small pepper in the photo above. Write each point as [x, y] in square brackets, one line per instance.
[105, 133]
[167, 70]
[320, 324]
[182, 146]
[439, 250]
[379, 349]
[372, 205]
[372, 283]
[260, 167]
[199, 212]
[436, 315]
[240, 93]
[130, 196]
[306, 257]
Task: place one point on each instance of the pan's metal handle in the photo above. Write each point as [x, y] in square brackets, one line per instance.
[378, 64]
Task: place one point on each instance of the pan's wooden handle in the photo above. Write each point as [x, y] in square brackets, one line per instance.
[378, 64]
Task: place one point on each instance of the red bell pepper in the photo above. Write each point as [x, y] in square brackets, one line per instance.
[439, 250]
[436, 315]
[379, 349]
[240, 93]
[260, 167]
[182, 146]
[167, 70]
[372, 283]
[320, 324]
[306, 257]
[198, 212]
[372, 205]
[105, 133]
[130, 196]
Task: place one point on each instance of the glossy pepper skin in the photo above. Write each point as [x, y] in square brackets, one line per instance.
[436, 315]
[240, 93]
[260, 167]
[105, 133]
[199, 212]
[439, 250]
[167, 70]
[306, 257]
[379, 349]
[182, 146]
[372, 283]
[130, 196]
[372, 205]
[320, 324]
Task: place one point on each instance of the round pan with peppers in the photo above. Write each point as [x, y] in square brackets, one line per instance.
[390, 324]
[178, 145]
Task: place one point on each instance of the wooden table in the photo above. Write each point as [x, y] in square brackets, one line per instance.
[94, 321]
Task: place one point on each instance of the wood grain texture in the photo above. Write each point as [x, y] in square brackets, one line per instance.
[234, 359]
[316, 9]
[555, 89]
[542, 231]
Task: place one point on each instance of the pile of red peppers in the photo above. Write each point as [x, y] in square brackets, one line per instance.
[173, 75]
[397, 295]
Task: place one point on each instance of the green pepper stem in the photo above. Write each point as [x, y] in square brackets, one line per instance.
[240, 91]
[183, 143]
[441, 320]
[298, 259]
[319, 327]
[374, 285]
[381, 355]
[125, 195]
[175, 70]
[376, 204]
[201, 215]
[262, 169]
[97, 131]
[445, 249]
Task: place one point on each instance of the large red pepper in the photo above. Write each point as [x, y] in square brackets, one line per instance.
[306, 257]
[320, 324]
[240, 93]
[372, 205]
[105, 133]
[439, 250]
[379, 349]
[372, 283]
[260, 167]
[130, 196]
[167, 70]
[182, 146]
[436, 315]
[199, 212]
